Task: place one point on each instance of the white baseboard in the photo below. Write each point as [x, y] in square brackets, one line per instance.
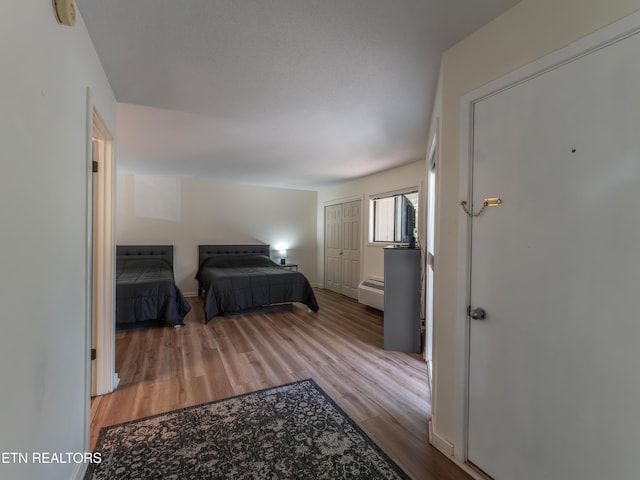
[447, 448]
[79, 471]
[440, 443]
[116, 381]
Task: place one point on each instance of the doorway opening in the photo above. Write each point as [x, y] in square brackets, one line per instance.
[430, 257]
[103, 377]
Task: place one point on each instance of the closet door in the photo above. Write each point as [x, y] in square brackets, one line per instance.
[342, 247]
[332, 247]
[350, 248]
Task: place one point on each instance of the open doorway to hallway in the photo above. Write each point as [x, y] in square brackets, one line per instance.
[429, 255]
[103, 377]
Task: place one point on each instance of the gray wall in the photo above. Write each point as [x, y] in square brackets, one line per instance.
[46, 69]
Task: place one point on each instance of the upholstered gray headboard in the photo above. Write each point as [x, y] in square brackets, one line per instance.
[156, 251]
[206, 251]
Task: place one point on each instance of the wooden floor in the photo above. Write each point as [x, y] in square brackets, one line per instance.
[340, 347]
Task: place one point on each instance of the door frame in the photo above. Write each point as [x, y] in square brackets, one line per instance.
[105, 359]
[430, 228]
[604, 37]
[102, 244]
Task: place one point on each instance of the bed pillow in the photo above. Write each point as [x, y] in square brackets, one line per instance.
[234, 261]
[142, 263]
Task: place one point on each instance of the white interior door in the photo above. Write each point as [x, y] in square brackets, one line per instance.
[351, 248]
[554, 377]
[430, 260]
[342, 240]
[333, 248]
[97, 249]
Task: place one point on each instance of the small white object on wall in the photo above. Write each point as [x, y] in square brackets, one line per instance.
[65, 12]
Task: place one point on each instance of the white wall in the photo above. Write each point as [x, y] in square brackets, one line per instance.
[186, 213]
[530, 30]
[46, 69]
[409, 175]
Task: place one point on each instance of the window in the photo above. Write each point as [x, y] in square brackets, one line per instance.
[393, 217]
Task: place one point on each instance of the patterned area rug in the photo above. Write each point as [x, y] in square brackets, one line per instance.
[293, 431]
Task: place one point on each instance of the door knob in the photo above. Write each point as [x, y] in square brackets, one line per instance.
[477, 313]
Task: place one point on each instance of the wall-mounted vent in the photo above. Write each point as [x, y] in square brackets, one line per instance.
[371, 293]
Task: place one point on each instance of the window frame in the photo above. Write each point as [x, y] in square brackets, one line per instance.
[372, 214]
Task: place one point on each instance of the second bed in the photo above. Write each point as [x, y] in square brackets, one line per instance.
[243, 278]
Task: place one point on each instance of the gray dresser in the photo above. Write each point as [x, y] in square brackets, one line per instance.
[402, 299]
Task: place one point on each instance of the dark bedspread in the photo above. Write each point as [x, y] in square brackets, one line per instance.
[146, 290]
[234, 283]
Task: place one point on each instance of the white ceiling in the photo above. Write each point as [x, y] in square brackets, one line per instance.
[287, 93]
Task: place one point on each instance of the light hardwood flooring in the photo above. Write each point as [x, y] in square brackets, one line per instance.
[340, 347]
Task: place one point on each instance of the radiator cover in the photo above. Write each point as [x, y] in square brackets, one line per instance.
[371, 293]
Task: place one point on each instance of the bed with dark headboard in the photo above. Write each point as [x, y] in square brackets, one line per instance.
[146, 292]
[243, 278]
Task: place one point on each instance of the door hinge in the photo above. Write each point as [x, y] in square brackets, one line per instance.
[93, 354]
[94, 166]
[430, 259]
